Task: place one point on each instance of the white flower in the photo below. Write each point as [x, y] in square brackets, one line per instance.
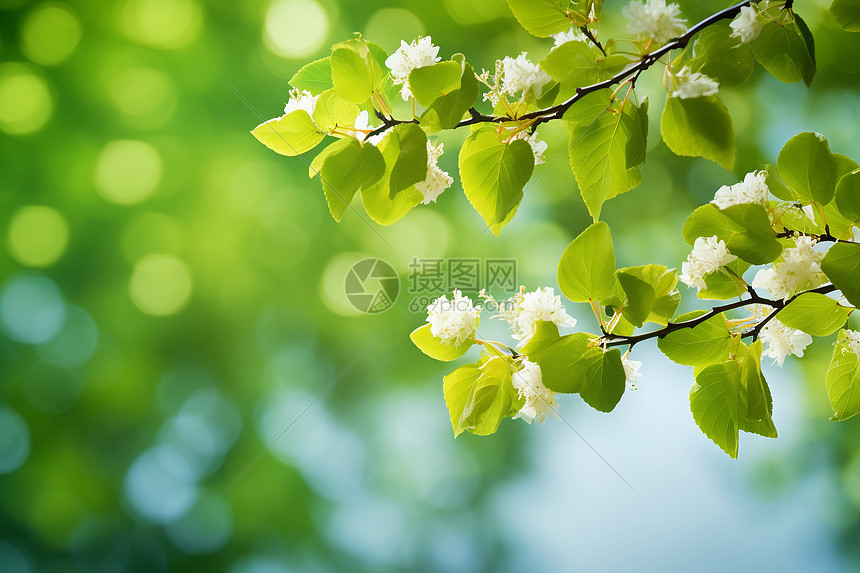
[693, 84]
[753, 189]
[809, 211]
[572, 35]
[300, 99]
[631, 372]
[362, 126]
[799, 271]
[851, 342]
[408, 57]
[453, 320]
[654, 19]
[524, 309]
[540, 401]
[436, 180]
[519, 74]
[746, 25]
[709, 254]
[780, 340]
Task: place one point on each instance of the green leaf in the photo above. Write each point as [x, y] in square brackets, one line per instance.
[706, 343]
[479, 396]
[378, 202]
[745, 228]
[432, 82]
[557, 356]
[347, 168]
[435, 348]
[333, 111]
[493, 175]
[598, 158]
[604, 379]
[841, 264]
[314, 77]
[843, 380]
[815, 314]
[847, 14]
[848, 196]
[783, 50]
[447, 111]
[542, 18]
[757, 408]
[572, 65]
[715, 400]
[289, 135]
[355, 71]
[723, 285]
[637, 143]
[777, 186]
[699, 127]
[410, 166]
[651, 294]
[808, 167]
[586, 271]
[722, 57]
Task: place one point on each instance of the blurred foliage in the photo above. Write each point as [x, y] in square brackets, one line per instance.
[172, 293]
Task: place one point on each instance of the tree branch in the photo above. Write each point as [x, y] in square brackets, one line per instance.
[610, 340]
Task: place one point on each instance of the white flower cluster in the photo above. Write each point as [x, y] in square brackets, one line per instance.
[692, 84]
[753, 189]
[572, 35]
[436, 180]
[513, 75]
[746, 25]
[654, 19]
[631, 372]
[408, 57]
[851, 342]
[800, 270]
[524, 309]
[301, 99]
[453, 320]
[540, 400]
[780, 340]
[708, 255]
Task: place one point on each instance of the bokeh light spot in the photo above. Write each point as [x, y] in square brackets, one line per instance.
[160, 484]
[160, 285]
[128, 171]
[14, 441]
[76, 341]
[49, 34]
[205, 528]
[37, 236]
[32, 309]
[165, 24]
[25, 102]
[387, 27]
[144, 93]
[295, 28]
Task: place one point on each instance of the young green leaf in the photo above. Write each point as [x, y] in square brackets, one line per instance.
[435, 348]
[572, 65]
[722, 57]
[745, 228]
[757, 408]
[706, 343]
[784, 50]
[604, 379]
[699, 127]
[808, 167]
[587, 266]
[289, 135]
[410, 166]
[841, 264]
[651, 294]
[332, 111]
[493, 175]
[314, 77]
[725, 284]
[843, 380]
[447, 110]
[557, 356]
[637, 143]
[355, 71]
[715, 401]
[479, 396]
[348, 166]
[429, 83]
[542, 18]
[848, 196]
[847, 14]
[815, 314]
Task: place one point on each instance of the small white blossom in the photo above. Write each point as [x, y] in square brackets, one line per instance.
[654, 19]
[524, 309]
[519, 74]
[799, 271]
[753, 189]
[436, 180]
[408, 57]
[362, 126]
[809, 211]
[631, 372]
[572, 35]
[780, 340]
[851, 342]
[540, 401]
[709, 254]
[693, 84]
[746, 25]
[453, 320]
[300, 99]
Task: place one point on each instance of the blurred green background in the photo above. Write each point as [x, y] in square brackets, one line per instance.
[172, 299]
